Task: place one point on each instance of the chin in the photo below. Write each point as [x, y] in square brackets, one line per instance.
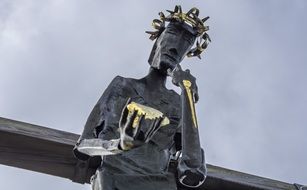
[165, 65]
[168, 63]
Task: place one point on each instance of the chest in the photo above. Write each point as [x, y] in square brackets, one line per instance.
[160, 100]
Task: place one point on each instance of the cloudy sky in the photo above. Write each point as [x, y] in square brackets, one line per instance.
[58, 56]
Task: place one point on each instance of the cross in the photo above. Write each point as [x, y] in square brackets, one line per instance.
[49, 151]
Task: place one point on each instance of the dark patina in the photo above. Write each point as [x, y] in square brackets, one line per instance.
[139, 127]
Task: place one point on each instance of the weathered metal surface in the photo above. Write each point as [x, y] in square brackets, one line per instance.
[300, 187]
[49, 151]
[225, 179]
[40, 149]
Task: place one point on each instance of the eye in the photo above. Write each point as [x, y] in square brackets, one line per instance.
[172, 31]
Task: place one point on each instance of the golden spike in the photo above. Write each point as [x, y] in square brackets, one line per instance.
[153, 35]
[189, 54]
[204, 45]
[162, 16]
[178, 9]
[150, 32]
[194, 11]
[156, 23]
[206, 37]
[205, 19]
[170, 16]
[197, 45]
[169, 11]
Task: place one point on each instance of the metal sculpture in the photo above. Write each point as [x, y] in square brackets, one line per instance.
[138, 126]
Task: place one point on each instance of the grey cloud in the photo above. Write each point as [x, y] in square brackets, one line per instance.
[57, 57]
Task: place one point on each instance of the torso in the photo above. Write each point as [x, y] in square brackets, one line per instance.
[153, 157]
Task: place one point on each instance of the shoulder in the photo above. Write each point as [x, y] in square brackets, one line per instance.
[119, 87]
[123, 81]
[118, 80]
[118, 84]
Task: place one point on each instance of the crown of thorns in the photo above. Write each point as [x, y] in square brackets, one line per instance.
[190, 18]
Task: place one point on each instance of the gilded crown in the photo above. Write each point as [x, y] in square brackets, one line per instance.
[191, 18]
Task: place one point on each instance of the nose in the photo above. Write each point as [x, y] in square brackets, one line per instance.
[173, 51]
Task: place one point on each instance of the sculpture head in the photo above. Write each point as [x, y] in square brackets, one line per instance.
[175, 41]
[171, 46]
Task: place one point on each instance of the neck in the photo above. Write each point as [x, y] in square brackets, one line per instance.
[155, 78]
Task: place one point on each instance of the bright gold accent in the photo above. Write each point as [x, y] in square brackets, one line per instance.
[195, 22]
[187, 84]
[190, 18]
[148, 112]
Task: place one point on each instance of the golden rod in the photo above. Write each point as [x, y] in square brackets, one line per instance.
[187, 84]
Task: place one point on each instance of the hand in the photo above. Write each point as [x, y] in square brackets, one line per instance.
[135, 130]
[192, 175]
[178, 76]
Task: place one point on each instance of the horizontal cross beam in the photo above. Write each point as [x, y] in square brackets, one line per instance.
[49, 151]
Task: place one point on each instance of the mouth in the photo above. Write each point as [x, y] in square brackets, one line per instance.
[169, 57]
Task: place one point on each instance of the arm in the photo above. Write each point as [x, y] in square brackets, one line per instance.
[102, 123]
[191, 167]
[88, 132]
[115, 124]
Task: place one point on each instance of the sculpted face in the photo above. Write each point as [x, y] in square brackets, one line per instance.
[172, 46]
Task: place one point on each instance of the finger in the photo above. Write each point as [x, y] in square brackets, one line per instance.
[159, 120]
[128, 126]
[128, 102]
[148, 132]
[124, 113]
[152, 130]
[131, 118]
[121, 131]
[128, 131]
[159, 123]
[157, 126]
[123, 117]
[137, 130]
